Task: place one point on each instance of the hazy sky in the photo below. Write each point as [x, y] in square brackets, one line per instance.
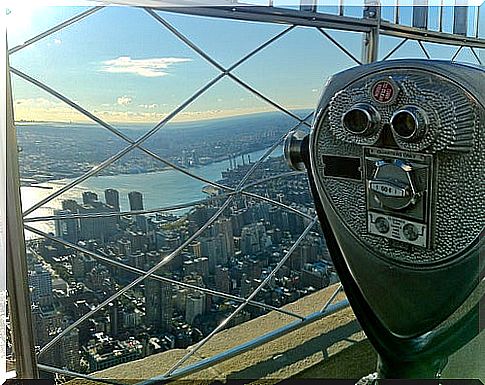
[124, 66]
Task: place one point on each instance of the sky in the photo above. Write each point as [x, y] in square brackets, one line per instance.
[125, 67]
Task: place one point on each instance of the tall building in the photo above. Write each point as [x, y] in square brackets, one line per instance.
[223, 229]
[112, 198]
[69, 356]
[97, 228]
[158, 304]
[194, 306]
[212, 248]
[67, 229]
[222, 279]
[136, 200]
[195, 249]
[89, 197]
[40, 283]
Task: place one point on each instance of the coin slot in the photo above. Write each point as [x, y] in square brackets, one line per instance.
[342, 167]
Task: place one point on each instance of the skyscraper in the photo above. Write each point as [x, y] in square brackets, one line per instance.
[89, 197]
[158, 304]
[112, 198]
[136, 200]
[40, 282]
[67, 229]
[194, 306]
[97, 228]
[224, 227]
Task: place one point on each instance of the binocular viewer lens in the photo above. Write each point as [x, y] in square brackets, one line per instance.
[409, 123]
[361, 119]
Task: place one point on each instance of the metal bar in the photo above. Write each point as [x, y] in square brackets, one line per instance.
[267, 100]
[396, 13]
[460, 21]
[476, 56]
[118, 155]
[332, 297]
[308, 5]
[424, 49]
[287, 16]
[224, 323]
[185, 40]
[342, 48]
[276, 203]
[270, 178]
[395, 48]
[17, 272]
[477, 25]
[278, 16]
[341, 8]
[267, 153]
[58, 27]
[440, 20]
[370, 41]
[259, 48]
[4, 329]
[456, 53]
[390, 29]
[247, 346]
[135, 270]
[420, 14]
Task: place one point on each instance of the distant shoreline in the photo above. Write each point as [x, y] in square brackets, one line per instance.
[152, 124]
[38, 184]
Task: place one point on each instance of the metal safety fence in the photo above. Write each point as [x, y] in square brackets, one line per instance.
[372, 26]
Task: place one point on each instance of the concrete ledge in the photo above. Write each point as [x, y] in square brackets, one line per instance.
[286, 357]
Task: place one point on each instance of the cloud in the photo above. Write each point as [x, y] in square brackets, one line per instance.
[42, 109]
[153, 67]
[148, 106]
[124, 100]
[57, 41]
[38, 103]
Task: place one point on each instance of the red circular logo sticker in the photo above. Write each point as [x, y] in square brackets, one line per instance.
[383, 91]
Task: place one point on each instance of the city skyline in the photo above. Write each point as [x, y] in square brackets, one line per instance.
[232, 257]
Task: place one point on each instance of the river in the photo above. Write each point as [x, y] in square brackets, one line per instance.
[160, 189]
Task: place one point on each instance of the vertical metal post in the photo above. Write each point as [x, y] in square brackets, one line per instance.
[420, 14]
[477, 23]
[460, 21]
[17, 285]
[308, 5]
[440, 21]
[370, 48]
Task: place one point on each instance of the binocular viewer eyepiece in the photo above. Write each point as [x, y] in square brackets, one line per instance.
[395, 163]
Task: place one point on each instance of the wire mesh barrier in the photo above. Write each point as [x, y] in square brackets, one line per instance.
[245, 188]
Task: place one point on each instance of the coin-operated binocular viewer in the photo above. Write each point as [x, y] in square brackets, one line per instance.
[396, 166]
